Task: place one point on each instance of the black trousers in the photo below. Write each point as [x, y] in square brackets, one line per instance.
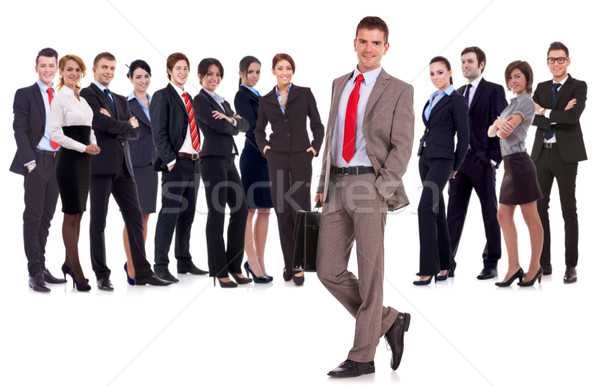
[124, 191]
[41, 195]
[223, 187]
[433, 228]
[179, 195]
[290, 175]
[479, 175]
[549, 166]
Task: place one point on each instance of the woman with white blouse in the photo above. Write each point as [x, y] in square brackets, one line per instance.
[71, 127]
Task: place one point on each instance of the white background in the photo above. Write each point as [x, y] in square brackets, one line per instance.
[463, 332]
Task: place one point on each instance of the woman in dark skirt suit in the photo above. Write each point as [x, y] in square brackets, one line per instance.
[445, 116]
[142, 152]
[255, 173]
[222, 182]
[71, 127]
[519, 185]
[289, 152]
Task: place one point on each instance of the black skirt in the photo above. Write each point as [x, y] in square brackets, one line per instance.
[255, 177]
[520, 184]
[73, 171]
[146, 180]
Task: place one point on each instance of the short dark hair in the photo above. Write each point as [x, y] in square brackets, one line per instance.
[441, 59]
[104, 55]
[479, 53]
[47, 52]
[245, 64]
[374, 22]
[174, 58]
[558, 46]
[279, 57]
[206, 63]
[138, 63]
[525, 69]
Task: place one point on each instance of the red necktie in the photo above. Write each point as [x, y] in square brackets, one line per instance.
[350, 122]
[50, 97]
[193, 129]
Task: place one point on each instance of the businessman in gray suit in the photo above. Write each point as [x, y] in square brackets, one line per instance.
[369, 142]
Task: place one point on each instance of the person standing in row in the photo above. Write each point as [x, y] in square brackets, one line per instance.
[255, 173]
[445, 116]
[35, 160]
[177, 140]
[142, 153]
[222, 184]
[71, 127]
[289, 152]
[112, 174]
[519, 185]
[485, 100]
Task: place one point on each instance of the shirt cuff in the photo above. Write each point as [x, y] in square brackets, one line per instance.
[547, 113]
[29, 163]
[494, 163]
[172, 163]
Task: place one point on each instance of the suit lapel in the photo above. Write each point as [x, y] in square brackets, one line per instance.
[563, 90]
[212, 102]
[441, 103]
[103, 97]
[137, 110]
[337, 93]
[177, 97]
[381, 83]
[39, 100]
[478, 93]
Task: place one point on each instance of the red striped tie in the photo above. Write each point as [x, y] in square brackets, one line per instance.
[193, 129]
[50, 97]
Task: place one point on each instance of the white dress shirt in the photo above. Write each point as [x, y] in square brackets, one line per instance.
[68, 111]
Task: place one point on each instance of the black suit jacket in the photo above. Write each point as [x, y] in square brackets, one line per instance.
[448, 118]
[111, 132]
[142, 149]
[170, 121]
[289, 129]
[487, 104]
[218, 133]
[246, 105]
[29, 125]
[569, 138]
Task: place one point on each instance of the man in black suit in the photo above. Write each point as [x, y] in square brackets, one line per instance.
[557, 149]
[112, 173]
[486, 100]
[35, 159]
[177, 140]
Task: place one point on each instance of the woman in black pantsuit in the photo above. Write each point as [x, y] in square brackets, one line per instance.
[445, 115]
[71, 127]
[289, 151]
[222, 182]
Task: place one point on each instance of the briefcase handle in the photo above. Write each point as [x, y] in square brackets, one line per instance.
[318, 206]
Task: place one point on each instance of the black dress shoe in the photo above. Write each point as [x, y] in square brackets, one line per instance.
[570, 275]
[547, 270]
[48, 278]
[166, 275]
[37, 283]
[152, 280]
[487, 273]
[350, 368]
[105, 285]
[395, 338]
[189, 267]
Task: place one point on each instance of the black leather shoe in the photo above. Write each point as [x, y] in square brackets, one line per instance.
[350, 368]
[152, 280]
[547, 270]
[37, 283]
[395, 338]
[166, 275]
[189, 267]
[570, 275]
[105, 285]
[487, 273]
[48, 278]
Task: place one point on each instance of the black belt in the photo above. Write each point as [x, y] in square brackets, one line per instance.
[193, 157]
[355, 170]
[549, 145]
[52, 154]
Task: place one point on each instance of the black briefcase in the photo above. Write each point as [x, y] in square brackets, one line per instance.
[306, 236]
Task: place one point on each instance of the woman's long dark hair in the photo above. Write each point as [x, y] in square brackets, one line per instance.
[245, 65]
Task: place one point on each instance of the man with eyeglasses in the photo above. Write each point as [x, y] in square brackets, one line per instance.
[557, 149]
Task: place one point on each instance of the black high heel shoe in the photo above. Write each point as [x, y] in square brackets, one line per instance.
[257, 279]
[444, 277]
[424, 282]
[519, 274]
[287, 276]
[538, 277]
[298, 280]
[240, 280]
[451, 271]
[224, 284]
[130, 281]
[81, 287]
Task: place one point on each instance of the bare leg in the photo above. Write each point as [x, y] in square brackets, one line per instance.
[70, 231]
[130, 269]
[249, 246]
[536, 235]
[261, 227]
[506, 219]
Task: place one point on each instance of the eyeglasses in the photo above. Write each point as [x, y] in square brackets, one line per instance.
[560, 60]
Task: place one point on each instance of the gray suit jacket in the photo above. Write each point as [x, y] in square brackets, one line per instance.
[388, 128]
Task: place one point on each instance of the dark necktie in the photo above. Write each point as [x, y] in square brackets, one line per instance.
[555, 86]
[350, 121]
[50, 91]
[467, 92]
[107, 93]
